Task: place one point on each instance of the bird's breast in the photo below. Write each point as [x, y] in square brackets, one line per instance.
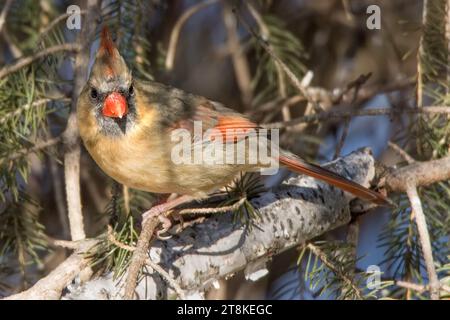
[137, 160]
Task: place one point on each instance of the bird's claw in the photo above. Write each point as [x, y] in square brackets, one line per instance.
[158, 212]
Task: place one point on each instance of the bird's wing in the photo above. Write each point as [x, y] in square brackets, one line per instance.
[181, 110]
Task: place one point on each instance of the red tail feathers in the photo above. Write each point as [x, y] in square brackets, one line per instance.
[303, 167]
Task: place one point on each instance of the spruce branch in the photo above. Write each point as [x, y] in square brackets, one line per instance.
[27, 106]
[332, 266]
[296, 211]
[339, 114]
[38, 146]
[25, 61]
[296, 82]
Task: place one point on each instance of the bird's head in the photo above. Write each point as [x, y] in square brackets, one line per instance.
[110, 87]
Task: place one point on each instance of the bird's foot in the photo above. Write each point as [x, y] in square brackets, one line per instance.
[163, 211]
[160, 212]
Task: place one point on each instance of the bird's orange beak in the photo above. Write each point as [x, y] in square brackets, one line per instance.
[115, 106]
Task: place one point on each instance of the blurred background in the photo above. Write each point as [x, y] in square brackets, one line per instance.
[206, 47]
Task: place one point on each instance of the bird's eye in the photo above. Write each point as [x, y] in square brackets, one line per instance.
[94, 93]
[131, 91]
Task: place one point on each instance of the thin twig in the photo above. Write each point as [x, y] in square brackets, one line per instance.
[291, 76]
[139, 256]
[13, 48]
[419, 287]
[170, 57]
[64, 243]
[402, 153]
[51, 286]
[412, 286]
[25, 61]
[342, 139]
[35, 148]
[240, 63]
[54, 22]
[424, 236]
[58, 191]
[167, 277]
[323, 257]
[148, 261]
[339, 114]
[224, 209]
[117, 243]
[28, 106]
[4, 13]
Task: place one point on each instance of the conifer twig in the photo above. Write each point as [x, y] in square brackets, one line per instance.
[339, 114]
[419, 287]
[198, 211]
[291, 76]
[402, 153]
[28, 106]
[416, 206]
[54, 22]
[4, 13]
[163, 273]
[25, 61]
[323, 257]
[51, 286]
[139, 256]
[148, 261]
[36, 147]
[240, 63]
[170, 57]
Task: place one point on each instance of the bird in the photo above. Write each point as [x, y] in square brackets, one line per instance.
[127, 126]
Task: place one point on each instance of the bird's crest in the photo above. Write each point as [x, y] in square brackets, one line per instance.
[109, 64]
[106, 44]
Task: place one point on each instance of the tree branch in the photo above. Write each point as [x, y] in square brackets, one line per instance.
[296, 211]
[416, 206]
[71, 135]
[51, 286]
[240, 63]
[339, 114]
[421, 173]
[170, 57]
[28, 106]
[4, 13]
[39, 145]
[25, 61]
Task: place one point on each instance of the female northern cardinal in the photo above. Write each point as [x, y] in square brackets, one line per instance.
[126, 126]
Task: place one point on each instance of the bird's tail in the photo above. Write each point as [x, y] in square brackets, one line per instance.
[298, 165]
